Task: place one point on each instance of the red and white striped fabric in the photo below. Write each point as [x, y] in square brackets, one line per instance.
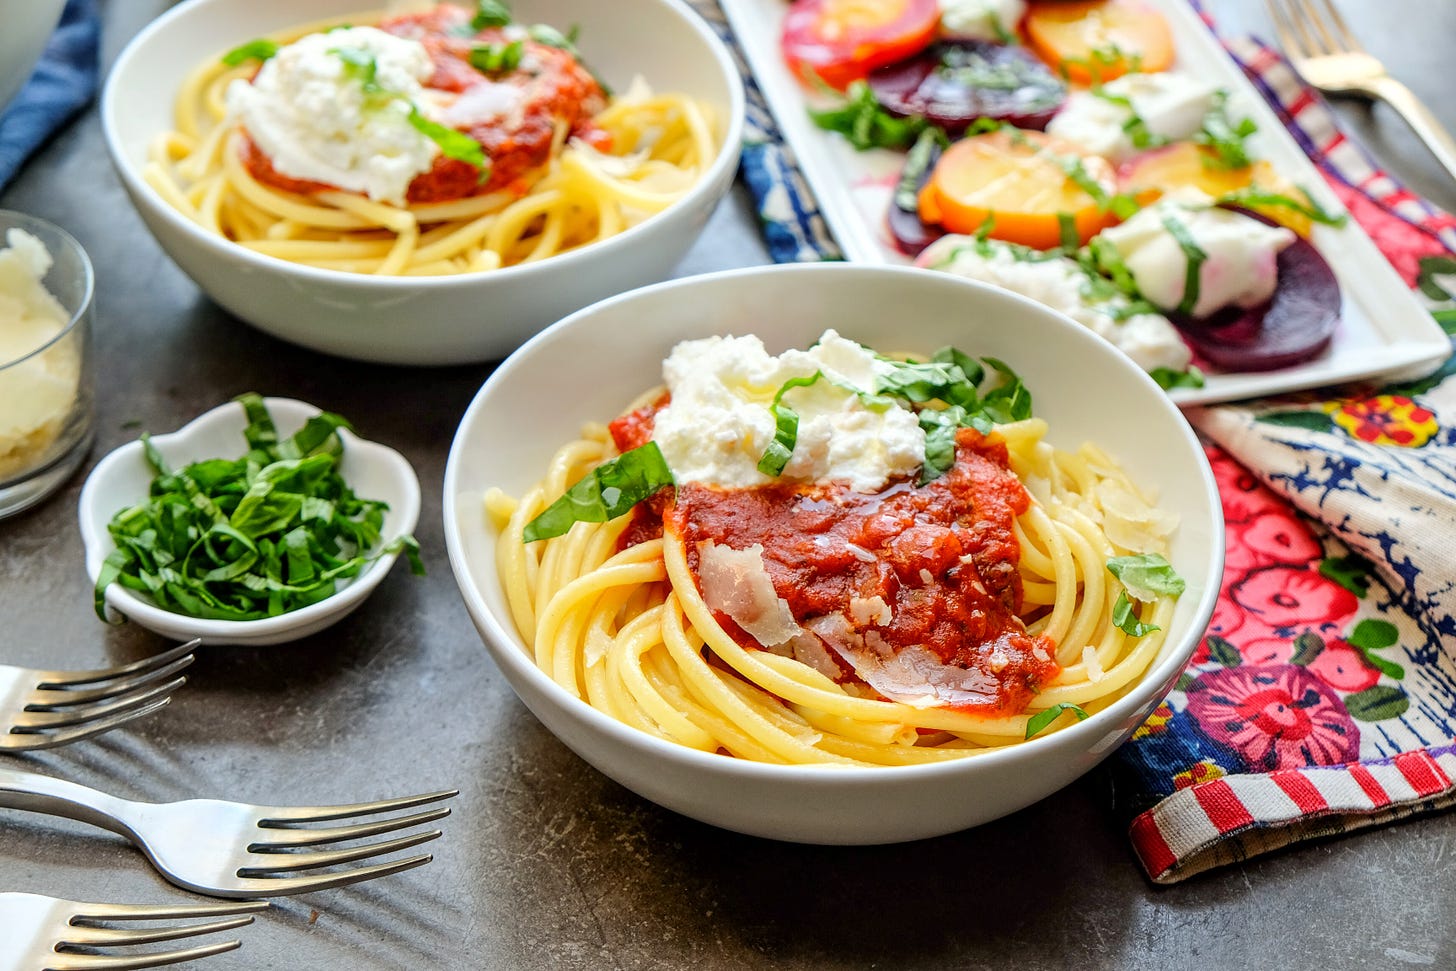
[1230, 819]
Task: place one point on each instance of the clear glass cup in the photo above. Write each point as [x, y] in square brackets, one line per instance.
[46, 401]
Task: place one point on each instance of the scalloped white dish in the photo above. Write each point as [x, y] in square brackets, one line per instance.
[123, 477]
[1384, 330]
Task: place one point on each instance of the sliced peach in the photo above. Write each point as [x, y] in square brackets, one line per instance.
[1098, 40]
[1148, 175]
[1018, 180]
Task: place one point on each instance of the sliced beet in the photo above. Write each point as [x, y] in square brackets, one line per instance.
[953, 83]
[911, 233]
[1292, 326]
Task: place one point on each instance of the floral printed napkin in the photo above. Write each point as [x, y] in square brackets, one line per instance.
[1322, 697]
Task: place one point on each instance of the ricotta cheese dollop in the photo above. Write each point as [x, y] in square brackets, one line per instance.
[309, 111]
[1239, 254]
[1061, 284]
[993, 20]
[37, 390]
[718, 423]
[1170, 106]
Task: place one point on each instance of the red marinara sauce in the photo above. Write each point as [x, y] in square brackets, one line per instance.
[941, 558]
[555, 89]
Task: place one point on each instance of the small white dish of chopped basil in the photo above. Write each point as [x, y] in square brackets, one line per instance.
[261, 521]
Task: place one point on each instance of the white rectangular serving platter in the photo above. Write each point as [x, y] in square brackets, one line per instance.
[1384, 330]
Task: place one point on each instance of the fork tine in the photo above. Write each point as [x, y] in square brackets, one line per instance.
[114, 937]
[282, 838]
[99, 962]
[47, 699]
[38, 741]
[1296, 20]
[95, 912]
[1318, 26]
[289, 862]
[63, 679]
[79, 716]
[276, 815]
[1284, 30]
[278, 886]
[1347, 38]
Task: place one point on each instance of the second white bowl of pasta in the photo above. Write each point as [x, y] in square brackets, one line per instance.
[917, 558]
[427, 187]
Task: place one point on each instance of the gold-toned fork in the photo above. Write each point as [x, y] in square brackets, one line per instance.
[1328, 56]
[69, 935]
[42, 709]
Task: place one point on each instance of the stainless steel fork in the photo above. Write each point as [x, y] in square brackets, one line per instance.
[234, 849]
[65, 935]
[42, 709]
[1328, 56]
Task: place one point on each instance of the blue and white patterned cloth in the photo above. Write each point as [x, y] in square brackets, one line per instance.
[63, 83]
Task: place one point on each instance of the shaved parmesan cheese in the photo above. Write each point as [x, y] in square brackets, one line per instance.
[860, 553]
[737, 583]
[913, 675]
[1093, 663]
[1130, 521]
[866, 610]
[926, 577]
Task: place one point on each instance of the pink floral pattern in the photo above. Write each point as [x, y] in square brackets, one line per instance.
[1274, 716]
[1287, 669]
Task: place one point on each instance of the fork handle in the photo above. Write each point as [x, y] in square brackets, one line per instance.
[1419, 117]
[57, 797]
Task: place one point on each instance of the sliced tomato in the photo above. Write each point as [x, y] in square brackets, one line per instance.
[840, 41]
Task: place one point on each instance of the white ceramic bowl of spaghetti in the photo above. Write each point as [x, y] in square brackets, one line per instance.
[474, 312]
[1083, 390]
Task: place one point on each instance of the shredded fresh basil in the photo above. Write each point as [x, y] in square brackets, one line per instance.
[1102, 57]
[921, 157]
[1041, 720]
[1119, 204]
[1003, 35]
[1126, 621]
[362, 66]
[551, 37]
[786, 428]
[1067, 228]
[1430, 267]
[490, 13]
[948, 386]
[1254, 197]
[453, 144]
[249, 538]
[497, 58]
[970, 68]
[1147, 576]
[862, 120]
[1135, 126]
[608, 491]
[1168, 378]
[925, 381]
[1224, 135]
[254, 50]
[1196, 258]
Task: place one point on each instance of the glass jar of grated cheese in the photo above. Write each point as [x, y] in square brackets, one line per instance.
[46, 310]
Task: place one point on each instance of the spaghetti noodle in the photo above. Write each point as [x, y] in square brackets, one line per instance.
[591, 179]
[636, 623]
